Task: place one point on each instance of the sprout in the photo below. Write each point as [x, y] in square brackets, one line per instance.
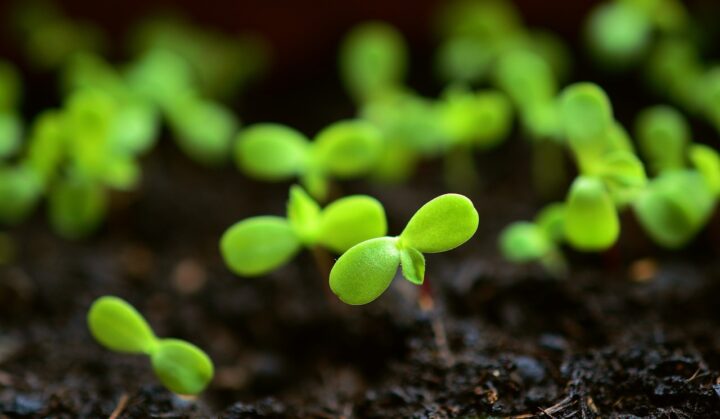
[619, 33]
[20, 191]
[274, 152]
[482, 118]
[674, 207]
[591, 220]
[706, 161]
[182, 367]
[204, 130]
[366, 270]
[663, 135]
[373, 60]
[76, 208]
[258, 245]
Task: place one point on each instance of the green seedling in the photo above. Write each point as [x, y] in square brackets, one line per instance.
[182, 367]
[619, 33]
[366, 270]
[10, 122]
[76, 208]
[343, 150]
[203, 129]
[373, 60]
[706, 161]
[663, 135]
[675, 206]
[482, 119]
[591, 220]
[258, 245]
[20, 191]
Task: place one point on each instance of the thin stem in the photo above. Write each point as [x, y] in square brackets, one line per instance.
[427, 305]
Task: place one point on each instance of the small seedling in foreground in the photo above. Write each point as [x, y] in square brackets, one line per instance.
[258, 245]
[366, 270]
[274, 152]
[181, 366]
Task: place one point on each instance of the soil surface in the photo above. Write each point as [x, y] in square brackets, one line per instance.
[631, 333]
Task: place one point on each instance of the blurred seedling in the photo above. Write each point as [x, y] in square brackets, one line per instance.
[258, 245]
[181, 367]
[366, 270]
[10, 122]
[620, 32]
[343, 150]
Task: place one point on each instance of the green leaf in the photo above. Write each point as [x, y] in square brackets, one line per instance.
[365, 271]
[181, 366]
[464, 59]
[258, 245]
[351, 220]
[203, 129]
[707, 161]
[10, 134]
[135, 128]
[76, 208]
[122, 173]
[271, 151]
[591, 220]
[20, 191]
[316, 183]
[619, 33]
[413, 265]
[303, 215]
[675, 206]
[484, 118]
[47, 144]
[623, 174]
[587, 119]
[522, 242]
[662, 134]
[347, 148]
[442, 224]
[525, 77]
[373, 59]
[118, 326]
[551, 220]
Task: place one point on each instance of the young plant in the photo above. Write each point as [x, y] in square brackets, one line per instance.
[274, 152]
[181, 367]
[366, 270]
[663, 135]
[258, 245]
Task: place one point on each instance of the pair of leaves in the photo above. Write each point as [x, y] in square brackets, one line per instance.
[675, 206]
[258, 245]
[181, 366]
[275, 152]
[366, 270]
[373, 60]
[482, 118]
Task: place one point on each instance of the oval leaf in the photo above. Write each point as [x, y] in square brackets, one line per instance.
[258, 245]
[348, 148]
[707, 161]
[303, 215]
[662, 134]
[587, 118]
[591, 220]
[181, 366]
[118, 326]
[351, 220]
[271, 151]
[442, 224]
[413, 265]
[523, 241]
[365, 271]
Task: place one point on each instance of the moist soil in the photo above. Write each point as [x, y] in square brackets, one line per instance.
[634, 332]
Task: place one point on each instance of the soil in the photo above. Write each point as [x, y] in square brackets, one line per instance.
[632, 333]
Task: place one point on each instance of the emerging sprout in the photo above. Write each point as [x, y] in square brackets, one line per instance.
[258, 245]
[662, 134]
[373, 60]
[275, 152]
[366, 270]
[675, 207]
[591, 220]
[181, 366]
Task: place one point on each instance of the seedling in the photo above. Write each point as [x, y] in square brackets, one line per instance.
[181, 367]
[20, 191]
[675, 206]
[274, 152]
[591, 219]
[663, 134]
[366, 270]
[258, 245]
[373, 60]
[706, 161]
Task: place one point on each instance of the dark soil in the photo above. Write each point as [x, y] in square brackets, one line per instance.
[606, 342]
